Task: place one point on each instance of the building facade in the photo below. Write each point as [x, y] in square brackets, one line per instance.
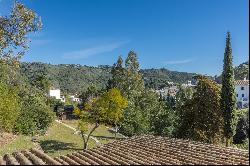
[242, 93]
[57, 94]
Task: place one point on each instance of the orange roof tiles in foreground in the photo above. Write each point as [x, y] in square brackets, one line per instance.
[142, 150]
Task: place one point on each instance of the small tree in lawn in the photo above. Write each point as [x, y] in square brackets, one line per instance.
[105, 109]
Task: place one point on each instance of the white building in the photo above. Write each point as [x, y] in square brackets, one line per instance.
[57, 94]
[73, 98]
[242, 92]
[189, 84]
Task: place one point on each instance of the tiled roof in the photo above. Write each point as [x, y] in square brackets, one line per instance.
[242, 82]
[142, 150]
[28, 157]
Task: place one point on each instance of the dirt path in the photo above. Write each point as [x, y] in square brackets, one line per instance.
[6, 138]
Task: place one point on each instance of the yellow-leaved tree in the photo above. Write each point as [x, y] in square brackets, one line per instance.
[104, 109]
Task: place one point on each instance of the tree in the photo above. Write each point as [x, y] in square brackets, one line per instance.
[242, 128]
[106, 109]
[228, 98]
[159, 115]
[113, 103]
[118, 74]
[183, 95]
[35, 115]
[129, 80]
[9, 107]
[13, 43]
[13, 31]
[201, 117]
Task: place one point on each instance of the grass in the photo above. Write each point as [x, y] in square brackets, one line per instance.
[61, 140]
[100, 132]
[19, 143]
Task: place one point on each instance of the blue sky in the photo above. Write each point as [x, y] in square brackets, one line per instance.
[181, 35]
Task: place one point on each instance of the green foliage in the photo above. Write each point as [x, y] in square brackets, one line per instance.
[69, 78]
[9, 107]
[183, 95]
[106, 108]
[159, 78]
[13, 31]
[161, 116]
[145, 113]
[242, 128]
[228, 98]
[201, 118]
[117, 72]
[77, 78]
[240, 72]
[23, 107]
[130, 82]
[90, 93]
[244, 145]
[35, 115]
[113, 103]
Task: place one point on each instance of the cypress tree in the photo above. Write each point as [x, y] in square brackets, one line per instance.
[228, 98]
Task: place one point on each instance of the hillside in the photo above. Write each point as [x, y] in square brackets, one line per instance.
[157, 78]
[76, 78]
[240, 72]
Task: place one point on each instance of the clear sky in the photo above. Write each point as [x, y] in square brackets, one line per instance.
[181, 35]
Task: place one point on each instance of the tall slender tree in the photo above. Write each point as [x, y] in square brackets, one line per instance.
[117, 72]
[228, 99]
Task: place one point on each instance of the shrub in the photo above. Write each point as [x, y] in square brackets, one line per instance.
[35, 115]
[9, 107]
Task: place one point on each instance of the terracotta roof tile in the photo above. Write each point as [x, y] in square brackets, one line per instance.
[140, 150]
[242, 82]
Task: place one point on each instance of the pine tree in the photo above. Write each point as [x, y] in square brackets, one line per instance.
[228, 99]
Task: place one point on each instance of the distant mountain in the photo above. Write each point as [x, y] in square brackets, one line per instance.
[240, 72]
[74, 78]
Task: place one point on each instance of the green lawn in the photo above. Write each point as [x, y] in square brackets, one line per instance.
[20, 143]
[59, 140]
[101, 132]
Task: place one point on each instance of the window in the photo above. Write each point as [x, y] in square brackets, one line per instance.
[242, 88]
[242, 95]
[237, 95]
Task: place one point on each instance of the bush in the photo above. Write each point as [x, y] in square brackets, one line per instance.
[35, 115]
[9, 107]
[242, 128]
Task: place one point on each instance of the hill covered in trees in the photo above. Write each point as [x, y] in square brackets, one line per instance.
[240, 72]
[72, 78]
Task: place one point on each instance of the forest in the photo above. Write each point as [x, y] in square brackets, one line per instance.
[120, 96]
[73, 78]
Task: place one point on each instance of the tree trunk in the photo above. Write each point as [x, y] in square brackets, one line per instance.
[84, 141]
[227, 142]
[115, 131]
[92, 130]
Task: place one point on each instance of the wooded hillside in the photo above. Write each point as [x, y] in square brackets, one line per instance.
[76, 78]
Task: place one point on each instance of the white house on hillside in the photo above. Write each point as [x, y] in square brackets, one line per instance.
[56, 93]
[242, 92]
[73, 98]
